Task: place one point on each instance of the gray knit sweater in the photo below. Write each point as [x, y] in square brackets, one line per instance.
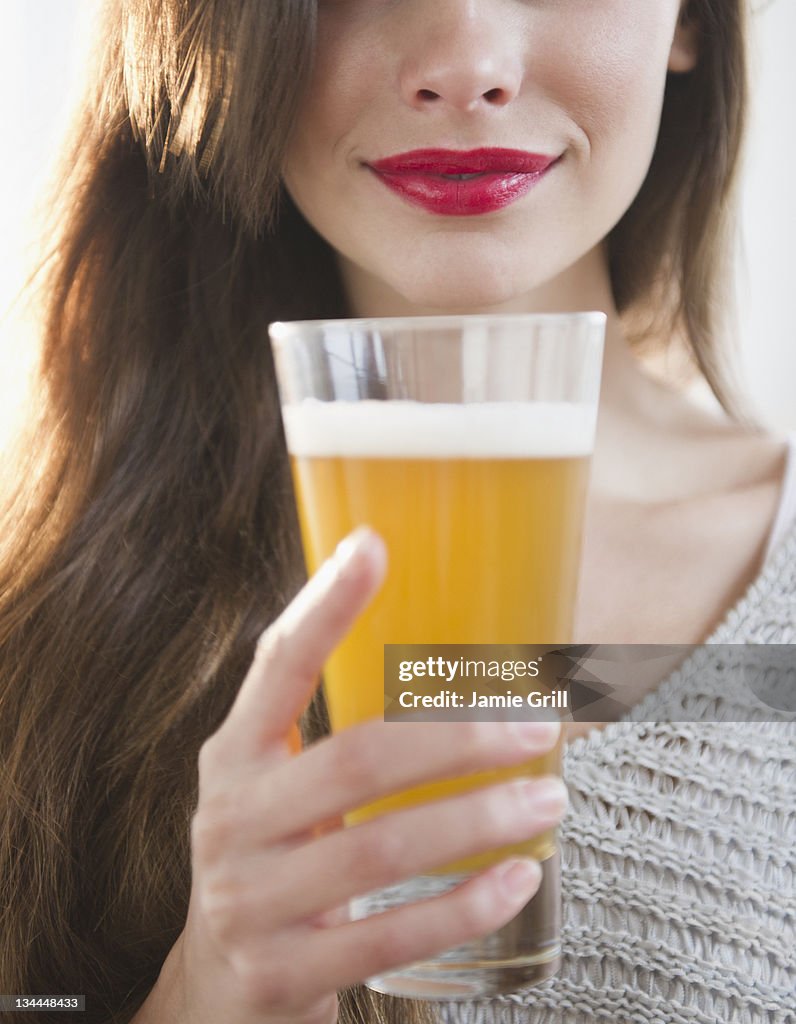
[679, 854]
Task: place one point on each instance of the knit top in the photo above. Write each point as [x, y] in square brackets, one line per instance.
[678, 850]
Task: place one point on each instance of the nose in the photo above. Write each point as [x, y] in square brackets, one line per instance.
[466, 55]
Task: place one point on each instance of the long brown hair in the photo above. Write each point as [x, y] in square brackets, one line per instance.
[148, 536]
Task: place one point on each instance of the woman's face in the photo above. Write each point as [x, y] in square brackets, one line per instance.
[573, 87]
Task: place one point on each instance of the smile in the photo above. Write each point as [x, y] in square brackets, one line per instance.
[455, 183]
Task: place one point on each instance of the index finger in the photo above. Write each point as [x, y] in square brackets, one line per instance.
[291, 652]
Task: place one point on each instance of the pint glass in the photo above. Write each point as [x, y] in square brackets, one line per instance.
[465, 442]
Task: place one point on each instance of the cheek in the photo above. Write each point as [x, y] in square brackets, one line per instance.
[346, 79]
[609, 78]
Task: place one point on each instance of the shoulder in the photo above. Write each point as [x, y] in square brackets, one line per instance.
[721, 456]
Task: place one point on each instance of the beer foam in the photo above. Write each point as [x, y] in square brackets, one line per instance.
[395, 429]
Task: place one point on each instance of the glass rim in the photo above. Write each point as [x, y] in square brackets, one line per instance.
[282, 329]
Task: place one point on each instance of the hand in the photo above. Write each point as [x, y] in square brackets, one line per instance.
[268, 937]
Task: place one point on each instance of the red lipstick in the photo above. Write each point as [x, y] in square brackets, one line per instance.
[462, 183]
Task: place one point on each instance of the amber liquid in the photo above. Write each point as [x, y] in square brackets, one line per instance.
[481, 551]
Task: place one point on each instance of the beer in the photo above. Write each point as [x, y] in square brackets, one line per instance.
[465, 442]
[481, 508]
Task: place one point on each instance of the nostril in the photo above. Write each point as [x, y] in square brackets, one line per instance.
[493, 95]
[426, 94]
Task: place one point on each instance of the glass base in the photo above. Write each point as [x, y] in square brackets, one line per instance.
[524, 952]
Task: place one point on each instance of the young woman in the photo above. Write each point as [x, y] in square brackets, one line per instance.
[163, 848]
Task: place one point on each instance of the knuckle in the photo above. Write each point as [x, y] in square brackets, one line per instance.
[514, 798]
[390, 946]
[209, 760]
[279, 648]
[275, 644]
[472, 912]
[265, 986]
[221, 905]
[496, 810]
[211, 831]
[382, 850]
[322, 1011]
[354, 758]
[201, 842]
[481, 739]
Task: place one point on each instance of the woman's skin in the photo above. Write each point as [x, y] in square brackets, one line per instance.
[681, 500]
[266, 937]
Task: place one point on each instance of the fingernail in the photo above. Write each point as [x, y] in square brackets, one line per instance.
[546, 796]
[519, 877]
[537, 735]
[363, 540]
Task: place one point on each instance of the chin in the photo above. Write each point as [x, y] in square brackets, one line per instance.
[455, 288]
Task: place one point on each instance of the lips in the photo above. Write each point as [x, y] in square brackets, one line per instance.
[462, 183]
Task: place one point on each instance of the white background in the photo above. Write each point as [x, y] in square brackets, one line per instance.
[767, 268]
[42, 52]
